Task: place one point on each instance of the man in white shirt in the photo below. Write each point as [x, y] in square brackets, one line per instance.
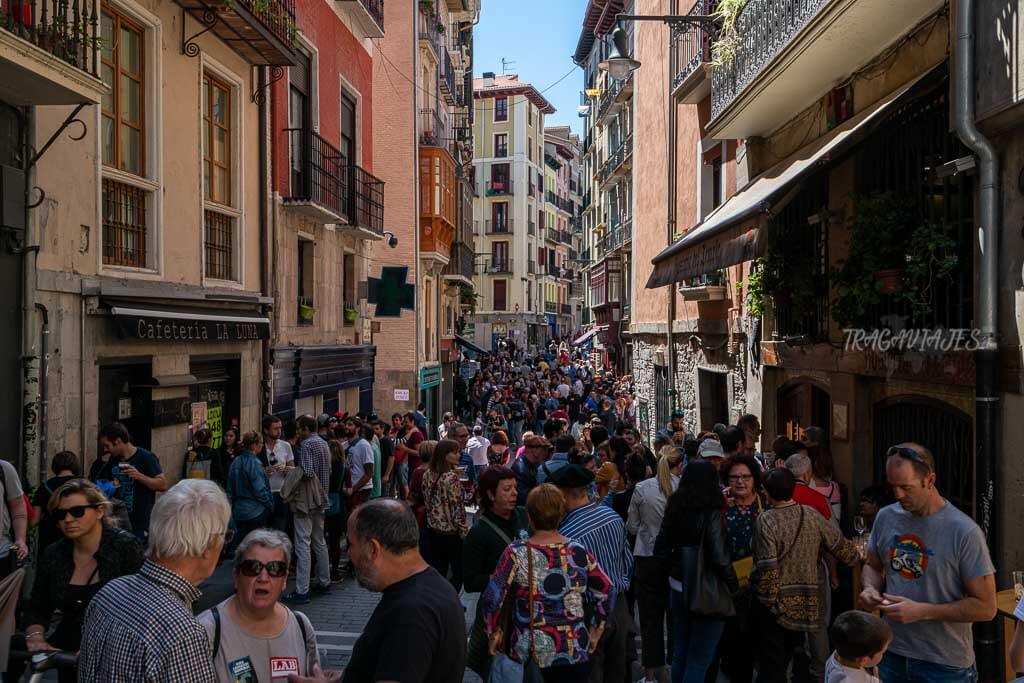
[564, 389]
[360, 465]
[280, 459]
[478, 445]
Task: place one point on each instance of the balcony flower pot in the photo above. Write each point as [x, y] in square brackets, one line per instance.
[351, 314]
[306, 312]
[888, 281]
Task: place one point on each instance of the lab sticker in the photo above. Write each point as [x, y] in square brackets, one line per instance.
[282, 667]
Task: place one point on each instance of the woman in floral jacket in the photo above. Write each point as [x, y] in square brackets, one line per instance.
[444, 512]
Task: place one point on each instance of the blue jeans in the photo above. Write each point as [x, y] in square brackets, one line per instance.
[695, 642]
[896, 668]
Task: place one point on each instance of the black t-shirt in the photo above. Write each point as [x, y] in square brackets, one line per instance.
[417, 634]
[138, 498]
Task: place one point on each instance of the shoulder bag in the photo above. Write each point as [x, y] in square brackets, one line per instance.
[504, 669]
[704, 590]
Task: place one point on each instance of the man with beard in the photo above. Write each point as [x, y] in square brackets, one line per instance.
[417, 633]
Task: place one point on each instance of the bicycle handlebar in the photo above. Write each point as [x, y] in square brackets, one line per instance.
[46, 660]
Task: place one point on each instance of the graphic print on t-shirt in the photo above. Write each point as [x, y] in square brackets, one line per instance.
[241, 671]
[125, 487]
[908, 556]
[281, 667]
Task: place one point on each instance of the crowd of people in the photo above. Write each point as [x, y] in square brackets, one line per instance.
[540, 494]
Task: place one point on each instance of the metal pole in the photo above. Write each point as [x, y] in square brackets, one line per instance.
[670, 223]
[987, 650]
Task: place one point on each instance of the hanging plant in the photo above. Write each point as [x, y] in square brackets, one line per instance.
[876, 262]
[726, 44]
[931, 256]
[755, 295]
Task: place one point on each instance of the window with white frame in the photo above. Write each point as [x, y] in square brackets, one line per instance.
[220, 218]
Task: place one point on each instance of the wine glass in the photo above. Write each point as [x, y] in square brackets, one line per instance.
[859, 525]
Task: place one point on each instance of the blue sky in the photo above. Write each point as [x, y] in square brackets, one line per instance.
[540, 37]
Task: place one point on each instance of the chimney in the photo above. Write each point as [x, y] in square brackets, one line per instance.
[488, 79]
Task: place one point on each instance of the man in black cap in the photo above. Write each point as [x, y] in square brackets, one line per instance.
[600, 530]
[325, 426]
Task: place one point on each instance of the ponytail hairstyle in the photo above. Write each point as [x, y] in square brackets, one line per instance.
[669, 458]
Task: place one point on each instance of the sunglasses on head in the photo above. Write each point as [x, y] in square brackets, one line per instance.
[276, 568]
[76, 511]
[909, 454]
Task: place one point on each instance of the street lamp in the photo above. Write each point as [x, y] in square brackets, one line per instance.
[619, 64]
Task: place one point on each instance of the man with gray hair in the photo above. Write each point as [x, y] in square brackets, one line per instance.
[417, 633]
[140, 627]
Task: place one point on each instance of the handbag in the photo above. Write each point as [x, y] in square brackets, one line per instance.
[504, 669]
[744, 566]
[704, 591]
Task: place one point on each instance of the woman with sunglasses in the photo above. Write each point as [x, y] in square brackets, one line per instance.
[71, 570]
[252, 635]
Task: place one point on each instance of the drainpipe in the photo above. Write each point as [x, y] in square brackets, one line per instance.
[671, 221]
[29, 360]
[267, 397]
[986, 644]
[44, 391]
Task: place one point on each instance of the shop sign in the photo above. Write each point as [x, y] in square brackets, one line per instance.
[430, 377]
[124, 408]
[401, 394]
[215, 421]
[198, 414]
[171, 411]
[171, 326]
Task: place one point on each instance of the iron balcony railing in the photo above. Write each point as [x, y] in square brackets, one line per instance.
[565, 237]
[531, 267]
[551, 307]
[691, 45]
[573, 256]
[375, 8]
[553, 270]
[499, 187]
[462, 260]
[552, 235]
[431, 129]
[499, 266]
[763, 29]
[462, 127]
[428, 30]
[608, 97]
[315, 170]
[566, 274]
[447, 80]
[364, 193]
[502, 227]
[531, 228]
[67, 29]
[565, 309]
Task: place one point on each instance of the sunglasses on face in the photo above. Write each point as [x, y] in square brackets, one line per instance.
[276, 569]
[909, 454]
[76, 511]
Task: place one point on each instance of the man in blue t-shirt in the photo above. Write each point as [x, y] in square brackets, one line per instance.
[929, 572]
[135, 473]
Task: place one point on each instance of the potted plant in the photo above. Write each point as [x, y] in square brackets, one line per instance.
[931, 256]
[875, 264]
[306, 311]
[351, 314]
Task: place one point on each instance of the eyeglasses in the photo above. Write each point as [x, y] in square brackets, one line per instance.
[741, 477]
[909, 454]
[276, 569]
[76, 511]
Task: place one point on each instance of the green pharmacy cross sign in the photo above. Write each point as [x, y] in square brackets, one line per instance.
[391, 292]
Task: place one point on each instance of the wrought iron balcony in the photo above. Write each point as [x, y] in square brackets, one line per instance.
[565, 309]
[315, 176]
[498, 227]
[364, 201]
[551, 307]
[499, 266]
[691, 57]
[429, 31]
[32, 34]
[551, 235]
[261, 31]
[461, 264]
[609, 99]
[368, 16]
[446, 84]
[499, 187]
[432, 129]
[531, 267]
[531, 228]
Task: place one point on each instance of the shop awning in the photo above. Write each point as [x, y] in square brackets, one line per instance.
[188, 325]
[587, 336]
[733, 233]
[465, 343]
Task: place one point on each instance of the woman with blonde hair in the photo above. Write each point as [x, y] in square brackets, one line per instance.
[90, 553]
[646, 511]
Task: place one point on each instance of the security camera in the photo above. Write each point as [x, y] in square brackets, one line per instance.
[392, 241]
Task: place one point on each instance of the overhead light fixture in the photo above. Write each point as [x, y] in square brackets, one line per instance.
[619, 64]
